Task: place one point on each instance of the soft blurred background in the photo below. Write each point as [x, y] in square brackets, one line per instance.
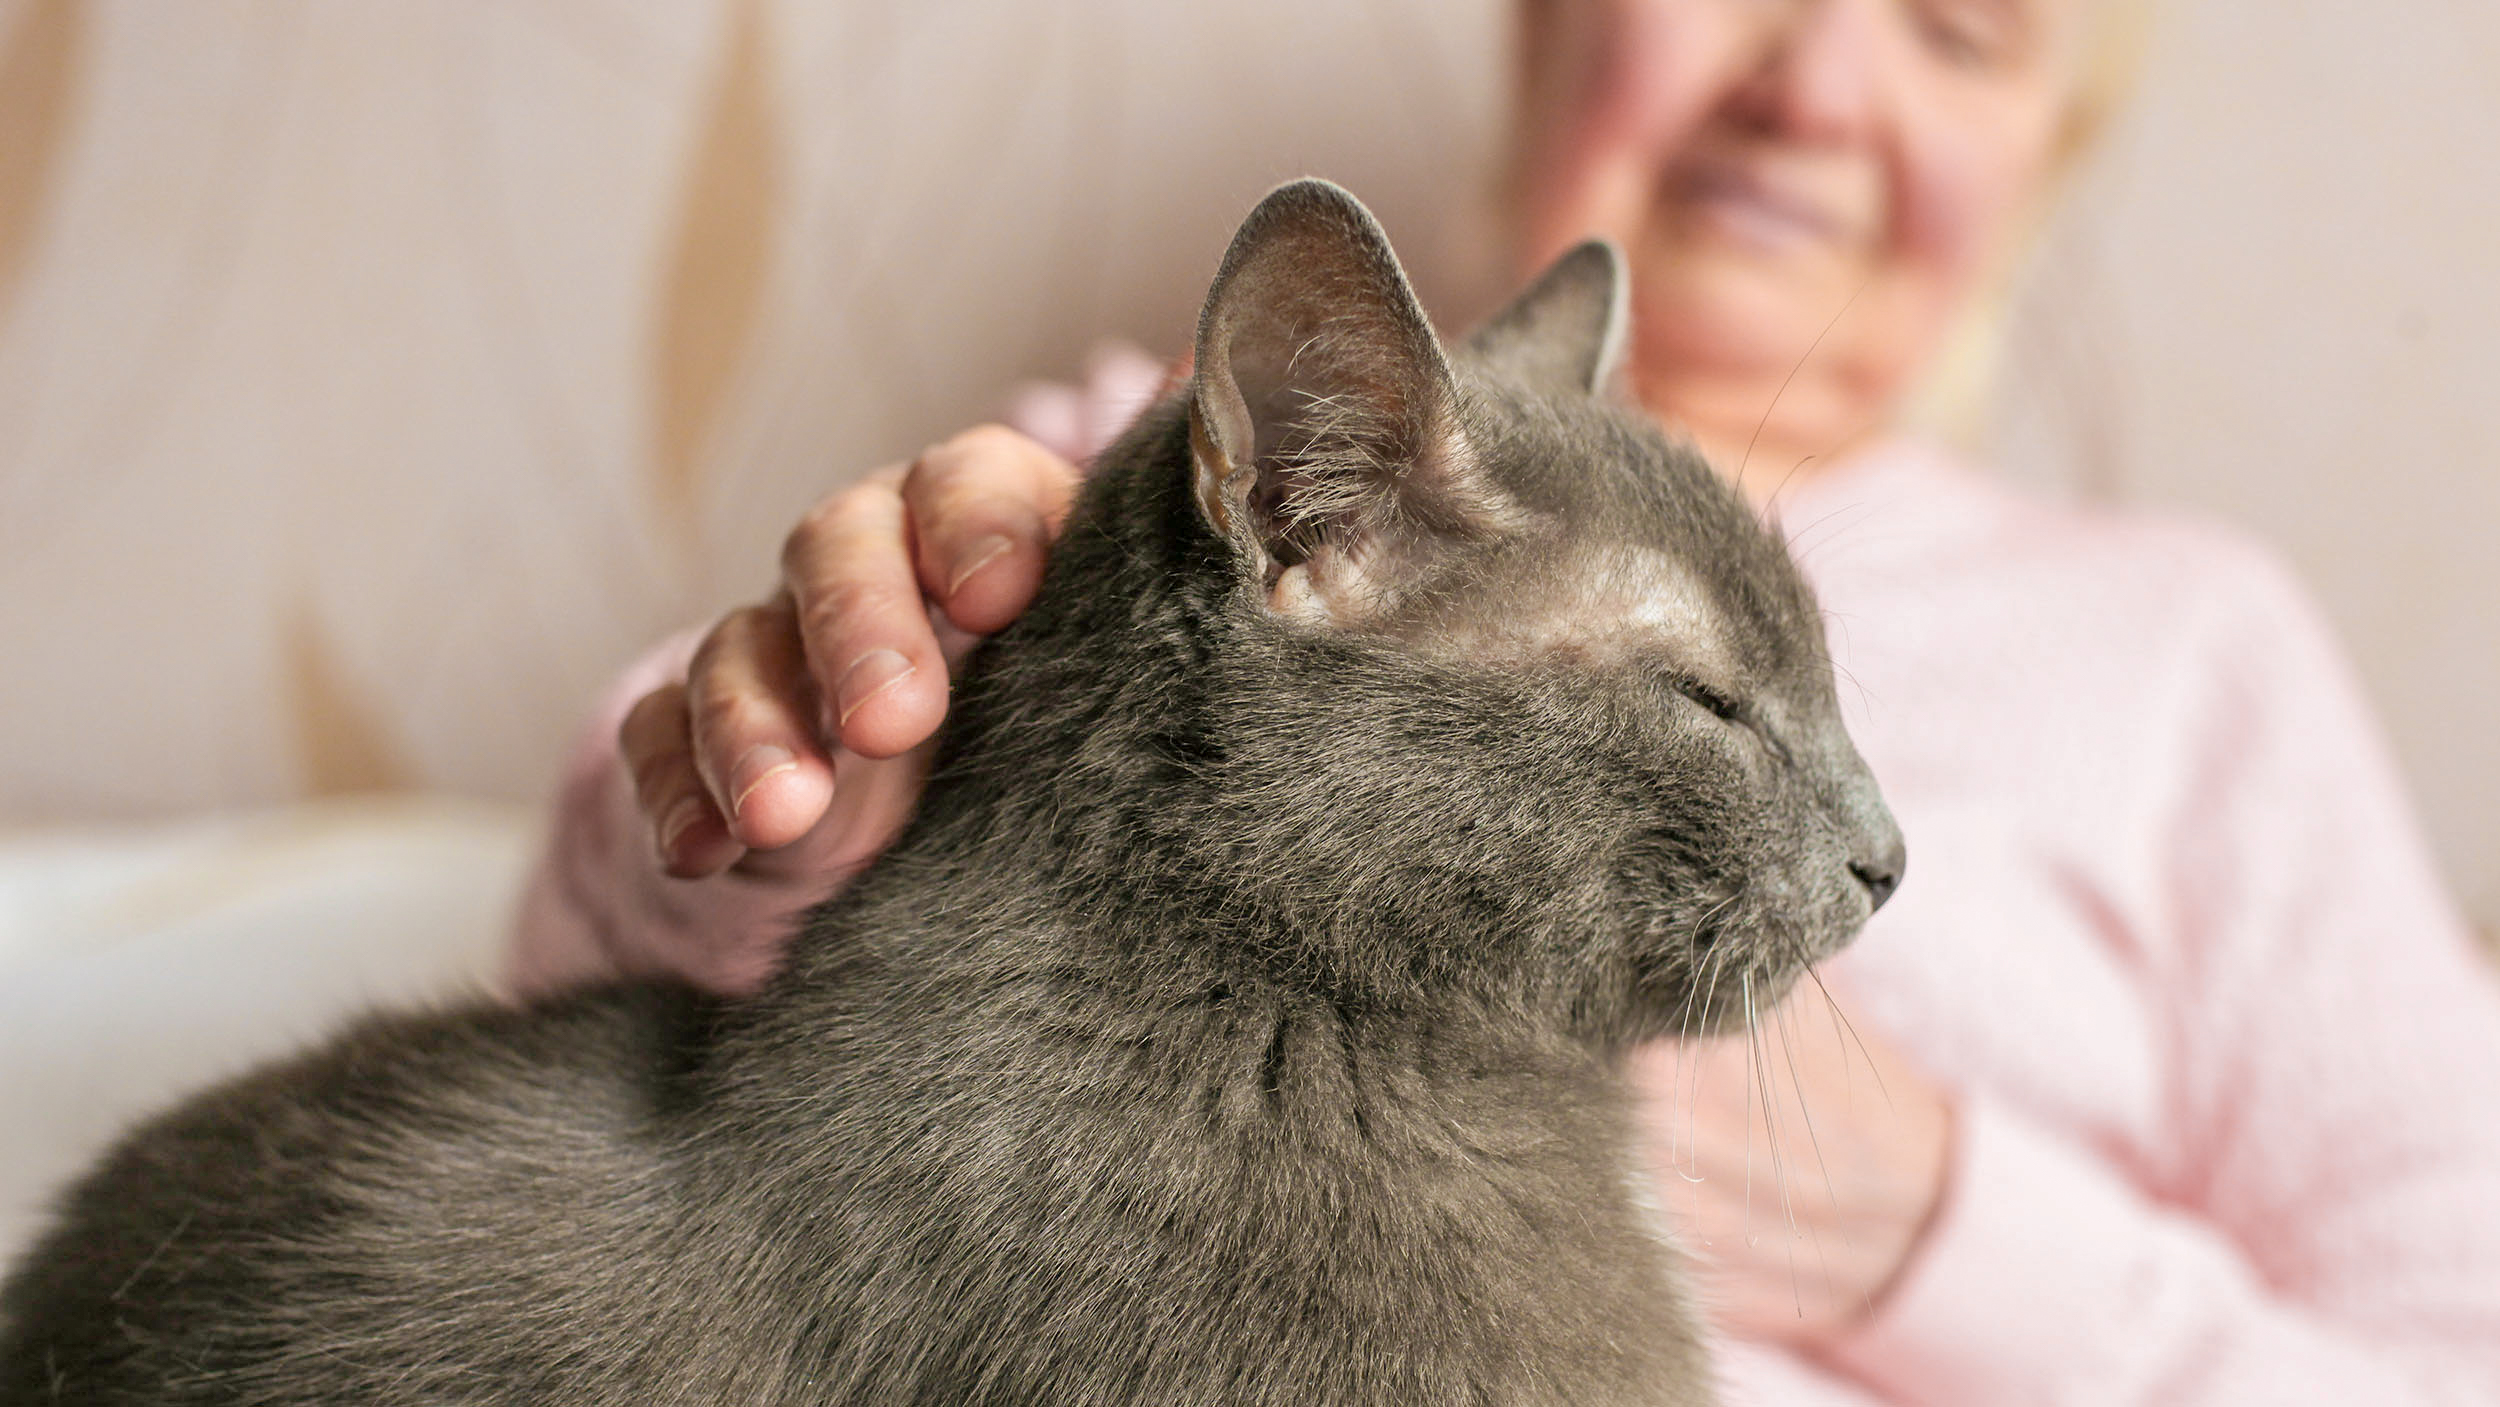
[378, 376]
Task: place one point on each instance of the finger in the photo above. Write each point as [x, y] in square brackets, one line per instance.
[686, 830]
[752, 707]
[876, 794]
[985, 507]
[862, 621]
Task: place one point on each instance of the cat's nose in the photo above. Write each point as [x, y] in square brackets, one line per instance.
[1879, 882]
[1878, 861]
[1863, 823]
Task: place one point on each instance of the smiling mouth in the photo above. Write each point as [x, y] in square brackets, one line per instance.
[1756, 213]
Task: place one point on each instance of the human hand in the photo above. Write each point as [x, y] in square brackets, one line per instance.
[795, 745]
[1799, 1166]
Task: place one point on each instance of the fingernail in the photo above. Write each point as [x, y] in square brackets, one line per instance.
[977, 556]
[762, 762]
[870, 675]
[680, 819]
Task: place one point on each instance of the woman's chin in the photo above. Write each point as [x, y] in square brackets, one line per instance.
[1716, 316]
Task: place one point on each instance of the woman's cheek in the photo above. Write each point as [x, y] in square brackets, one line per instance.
[1958, 206]
[1965, 183]
[1621, 88]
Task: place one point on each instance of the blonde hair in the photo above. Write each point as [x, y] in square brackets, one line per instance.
[1953, 397]
[2117, 33]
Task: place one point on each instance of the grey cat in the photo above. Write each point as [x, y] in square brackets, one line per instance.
[1398, 738]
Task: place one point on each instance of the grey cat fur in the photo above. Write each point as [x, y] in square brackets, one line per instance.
[1398, 737]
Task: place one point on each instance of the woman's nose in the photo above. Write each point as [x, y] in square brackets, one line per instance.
[1818, 74]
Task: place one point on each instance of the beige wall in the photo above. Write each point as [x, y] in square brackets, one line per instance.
[2278, 303]
[375, 376]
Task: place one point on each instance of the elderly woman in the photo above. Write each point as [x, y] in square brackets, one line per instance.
[2169, 1078]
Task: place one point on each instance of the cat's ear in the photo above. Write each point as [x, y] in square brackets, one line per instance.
[1324, 427]
[1566, 333]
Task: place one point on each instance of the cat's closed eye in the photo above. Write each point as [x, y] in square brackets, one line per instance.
[1718, 703]
[1728, 709]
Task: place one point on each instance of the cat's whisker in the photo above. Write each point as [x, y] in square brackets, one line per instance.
[1759, 1036]
[1842, 521]
[1793, 470]
[1866, 696]
[1848, 1081]
[1788, 1048]
[1688, 1066]
[1795, 542]
[1749, 1091]
[1823, 1260]
[1832, 1009]
[1683, 1057]
[1719, 951]
[1760, 425]
[1716, 964]
[1722, 961]
[1796, 1289]
[1831, 1192]
[1842, 1018]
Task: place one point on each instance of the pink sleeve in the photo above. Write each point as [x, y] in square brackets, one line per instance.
[598, 905]
[1076, 421]
[2332, 1232]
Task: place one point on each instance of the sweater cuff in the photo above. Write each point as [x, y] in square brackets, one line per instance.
[2026, 1264]
[596, 853]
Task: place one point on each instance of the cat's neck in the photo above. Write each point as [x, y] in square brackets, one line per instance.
[1128, 887]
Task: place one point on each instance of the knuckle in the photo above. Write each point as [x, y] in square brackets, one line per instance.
[799, 544]
[842, 608]
[659, 777]
[646, 711]
[706, 663]
[991, 440]
[865, 500]
[969, 452]
[737, 631]
[719, 719]
[648, 726]
[822, 529]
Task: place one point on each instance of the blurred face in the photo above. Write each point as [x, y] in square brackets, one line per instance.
[1835, 175]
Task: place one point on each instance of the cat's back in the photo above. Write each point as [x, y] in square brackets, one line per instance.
[322, 1230]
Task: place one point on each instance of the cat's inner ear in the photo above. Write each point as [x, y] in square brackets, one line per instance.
[1566, 333]
[1323, 418]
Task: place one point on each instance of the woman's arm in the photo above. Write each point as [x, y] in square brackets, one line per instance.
[2333, 1231]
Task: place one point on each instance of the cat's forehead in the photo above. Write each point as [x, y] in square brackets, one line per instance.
[1641, 551]
[1721, 593]
[1607, 602]
[1643, 600]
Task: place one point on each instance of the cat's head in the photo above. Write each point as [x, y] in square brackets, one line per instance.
[1487, 679]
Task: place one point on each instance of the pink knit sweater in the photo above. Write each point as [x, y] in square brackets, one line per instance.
[2226, 1065]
